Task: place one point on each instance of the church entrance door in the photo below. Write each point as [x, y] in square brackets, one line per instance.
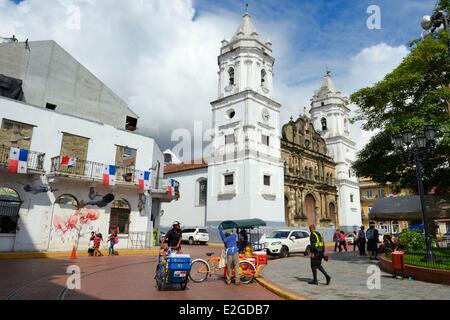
[310, 209]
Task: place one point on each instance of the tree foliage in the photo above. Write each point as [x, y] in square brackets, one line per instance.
[414, 95]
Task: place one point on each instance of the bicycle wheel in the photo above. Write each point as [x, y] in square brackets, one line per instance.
[247, 272]
[199, 271]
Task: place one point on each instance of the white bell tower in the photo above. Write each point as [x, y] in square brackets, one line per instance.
[245, 173]
[331, 116]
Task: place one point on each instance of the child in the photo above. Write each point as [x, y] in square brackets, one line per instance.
[97, 240]
[342, 241]
[113, 240]
[91, 244]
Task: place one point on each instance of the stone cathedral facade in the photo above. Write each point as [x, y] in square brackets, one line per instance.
[310, 193]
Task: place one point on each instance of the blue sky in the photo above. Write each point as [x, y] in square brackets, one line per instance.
[167, 49]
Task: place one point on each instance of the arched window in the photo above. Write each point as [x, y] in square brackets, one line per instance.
[202, 187]
[120, 216]
[231, 76]
[263, 78]
[67, 200]
[328, 178]
[9, 210]
[310, 174]
[324, 124]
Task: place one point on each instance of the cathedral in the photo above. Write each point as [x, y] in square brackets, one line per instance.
[309, 177]
[256, 169]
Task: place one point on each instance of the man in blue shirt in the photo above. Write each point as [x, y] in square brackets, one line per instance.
[230, 240]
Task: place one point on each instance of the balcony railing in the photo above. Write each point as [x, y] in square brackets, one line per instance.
[94, 170]
[35, 159]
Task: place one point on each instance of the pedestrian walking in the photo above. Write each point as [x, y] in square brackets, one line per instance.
[342, 241]
[232, 251]
[113, 240]
[372, 242]
[361, 239]
[317, 254]
[97, 241]
[336, 239]
[91, 249]
[355, 243]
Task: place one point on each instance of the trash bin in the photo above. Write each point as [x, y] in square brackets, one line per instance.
[398, 262]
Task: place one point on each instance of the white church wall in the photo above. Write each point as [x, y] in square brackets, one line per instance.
[186, 209]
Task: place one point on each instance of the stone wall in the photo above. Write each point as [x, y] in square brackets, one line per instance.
[14, 134]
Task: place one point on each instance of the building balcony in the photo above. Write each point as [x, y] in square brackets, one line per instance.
[35, 163]
[93, 171]
[125, 176]
[163, 193]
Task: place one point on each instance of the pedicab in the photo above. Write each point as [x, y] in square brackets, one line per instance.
[172, 269]
[249, 263]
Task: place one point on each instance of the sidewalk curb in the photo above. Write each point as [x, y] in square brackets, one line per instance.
[285, 294]
[53, 255]
[215, 244]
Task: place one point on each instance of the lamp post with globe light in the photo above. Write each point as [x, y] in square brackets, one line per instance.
[437, 23]
[415, 149]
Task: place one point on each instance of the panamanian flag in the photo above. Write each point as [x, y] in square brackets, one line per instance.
[18, 160]
[68, 162]
[172, 185]
[109, 175]
[144, 180]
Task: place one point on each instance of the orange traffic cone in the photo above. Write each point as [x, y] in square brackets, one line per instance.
[74, 254]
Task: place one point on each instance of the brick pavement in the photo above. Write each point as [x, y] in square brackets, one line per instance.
[112, 278]
[349, 280]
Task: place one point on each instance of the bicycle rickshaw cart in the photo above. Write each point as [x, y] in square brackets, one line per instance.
[202, 269]
[172, 269]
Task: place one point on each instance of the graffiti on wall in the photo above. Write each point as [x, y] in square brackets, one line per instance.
[71, 227]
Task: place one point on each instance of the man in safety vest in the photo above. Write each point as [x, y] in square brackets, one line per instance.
[317, 254]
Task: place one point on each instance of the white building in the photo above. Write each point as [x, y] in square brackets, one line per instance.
[331, 117]
[50, 220]
[245, 171]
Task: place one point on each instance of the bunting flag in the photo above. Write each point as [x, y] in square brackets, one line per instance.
[18, 160]
[172, 185]
[68, 162]
[109, 175]
[144, 180]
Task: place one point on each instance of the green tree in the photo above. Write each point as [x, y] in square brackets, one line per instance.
[414, 95]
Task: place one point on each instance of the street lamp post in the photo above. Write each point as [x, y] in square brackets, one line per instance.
[438, 22]
[415, 149]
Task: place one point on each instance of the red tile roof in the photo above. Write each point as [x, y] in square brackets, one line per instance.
[194, 165]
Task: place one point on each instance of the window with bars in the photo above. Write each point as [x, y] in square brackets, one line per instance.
[229, 179]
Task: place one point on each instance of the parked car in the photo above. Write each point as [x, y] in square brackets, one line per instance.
[350, 238]
[281, 243]
[195, 236]
[161, 236]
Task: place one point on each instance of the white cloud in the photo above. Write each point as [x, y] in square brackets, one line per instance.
[164, 63]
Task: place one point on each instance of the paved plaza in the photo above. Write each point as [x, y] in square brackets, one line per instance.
[112, 278]
[349, 280]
